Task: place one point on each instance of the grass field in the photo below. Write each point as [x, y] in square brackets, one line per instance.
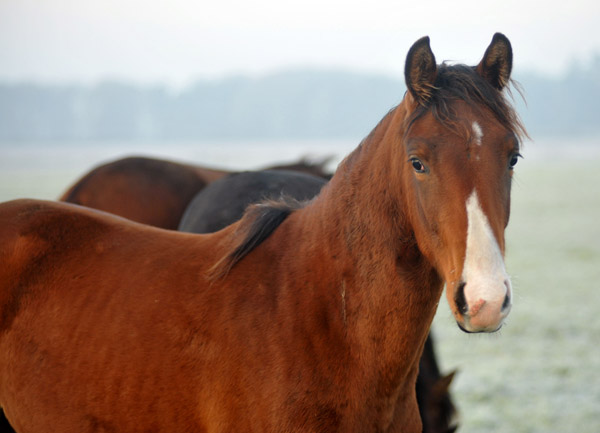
[541, 372]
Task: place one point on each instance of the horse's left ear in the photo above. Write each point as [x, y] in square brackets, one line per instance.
[496, 64]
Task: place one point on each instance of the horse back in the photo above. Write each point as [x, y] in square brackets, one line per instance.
[105, 312]
[41, 243]
[146, 190]
[89, 298]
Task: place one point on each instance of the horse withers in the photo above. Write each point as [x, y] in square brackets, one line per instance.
[295, 318]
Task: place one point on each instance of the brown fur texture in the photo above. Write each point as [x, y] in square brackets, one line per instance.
[223, 202]
[109, 325]
[146, 190]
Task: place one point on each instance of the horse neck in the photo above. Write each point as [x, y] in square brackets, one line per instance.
[357, 228]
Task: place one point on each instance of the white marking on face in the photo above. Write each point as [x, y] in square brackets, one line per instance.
[477, 133]
[484, 273]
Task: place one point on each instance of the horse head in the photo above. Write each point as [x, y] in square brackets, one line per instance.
[460, 145]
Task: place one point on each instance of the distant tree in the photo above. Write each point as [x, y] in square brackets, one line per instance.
[285, 105]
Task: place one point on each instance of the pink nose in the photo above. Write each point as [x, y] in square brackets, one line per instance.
[482, 315]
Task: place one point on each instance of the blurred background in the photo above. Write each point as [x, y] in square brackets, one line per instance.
[241, 85]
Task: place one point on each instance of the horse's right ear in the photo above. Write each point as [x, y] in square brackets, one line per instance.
[420, 71]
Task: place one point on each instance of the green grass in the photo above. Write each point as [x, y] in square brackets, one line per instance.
[541, 372]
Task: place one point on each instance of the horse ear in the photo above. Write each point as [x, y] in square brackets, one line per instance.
[496, 64]
[441, 387]
[420, 71]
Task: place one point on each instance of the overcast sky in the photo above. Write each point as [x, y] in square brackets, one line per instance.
[177, 41]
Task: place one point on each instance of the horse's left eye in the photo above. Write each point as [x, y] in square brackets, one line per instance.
[513, 161]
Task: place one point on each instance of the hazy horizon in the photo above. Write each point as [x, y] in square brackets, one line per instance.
[175, 44]
[171, 86]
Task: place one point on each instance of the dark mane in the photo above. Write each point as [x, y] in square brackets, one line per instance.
[258, 223]
[461, 82]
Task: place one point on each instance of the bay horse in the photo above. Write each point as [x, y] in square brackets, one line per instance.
[292, 319]
[223, 202]
[154, 191]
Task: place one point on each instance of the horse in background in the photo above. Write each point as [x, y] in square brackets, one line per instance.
[224, 201]
[438, 413]
[154, 191]
[295, 318]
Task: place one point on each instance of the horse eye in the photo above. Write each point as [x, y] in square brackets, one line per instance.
[513, 161]
[417, 165]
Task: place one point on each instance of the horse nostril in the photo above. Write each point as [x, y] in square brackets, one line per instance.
[459, 298]
[506, 302]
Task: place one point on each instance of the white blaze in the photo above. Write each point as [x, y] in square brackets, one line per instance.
[477, 133]
[483, 271]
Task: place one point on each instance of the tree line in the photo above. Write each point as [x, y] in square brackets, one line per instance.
[296, 104]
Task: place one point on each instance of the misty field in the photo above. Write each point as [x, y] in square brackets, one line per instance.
[541, 372]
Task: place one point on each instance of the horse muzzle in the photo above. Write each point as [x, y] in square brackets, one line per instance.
[483, 308]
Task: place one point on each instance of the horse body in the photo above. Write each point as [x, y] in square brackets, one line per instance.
[224, 201]
[153, 191]
[86, 375]
[309, 319]
[146, 190]
[205, 347]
